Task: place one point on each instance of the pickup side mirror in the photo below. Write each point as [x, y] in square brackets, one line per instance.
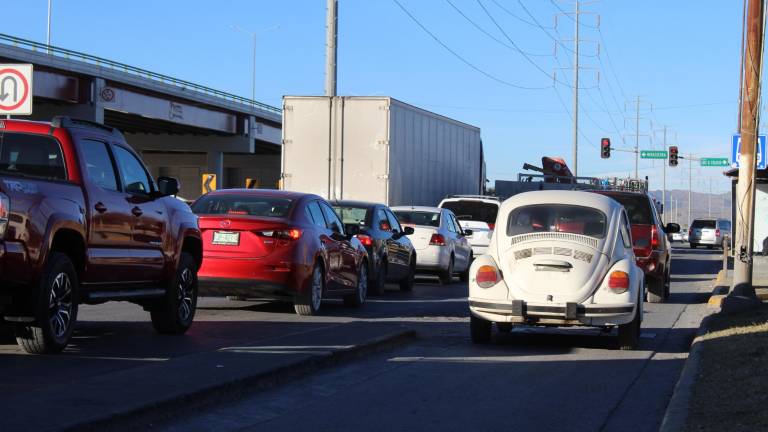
[672, 228]
[408, 230]
[468, 232]
[168, 186]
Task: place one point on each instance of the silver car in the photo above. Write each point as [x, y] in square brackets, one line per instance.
[708, 232]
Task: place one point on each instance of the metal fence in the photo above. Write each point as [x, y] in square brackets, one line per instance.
[102, 62]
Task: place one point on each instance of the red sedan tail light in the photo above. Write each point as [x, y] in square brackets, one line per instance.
[285, 234]
[437, 240]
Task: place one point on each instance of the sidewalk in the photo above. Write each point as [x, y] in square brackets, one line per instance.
[724, 383]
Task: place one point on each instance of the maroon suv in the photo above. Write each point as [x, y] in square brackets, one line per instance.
[652, 248]
[82, 221]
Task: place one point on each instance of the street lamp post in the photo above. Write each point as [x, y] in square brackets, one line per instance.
[253, 35]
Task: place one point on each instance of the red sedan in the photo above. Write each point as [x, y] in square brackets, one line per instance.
[279, 245]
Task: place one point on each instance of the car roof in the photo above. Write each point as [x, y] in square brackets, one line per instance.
[418, 208]
[472, 198]
[353, 203]
[577, 198]
[263, 192]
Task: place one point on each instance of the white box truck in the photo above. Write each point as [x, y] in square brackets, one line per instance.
[377, 149]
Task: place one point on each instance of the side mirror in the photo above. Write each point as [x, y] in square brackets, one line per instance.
[408, 230]
[672, 228]
[468, 232]
[168, 186]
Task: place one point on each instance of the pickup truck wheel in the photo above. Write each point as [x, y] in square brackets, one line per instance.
[629, 333]
[308, 304]
[175, 313]
[407, 283]
[656, 290]
[446, 277]
[56, 309]
[358, 298]
[378, 284]
[480, 330]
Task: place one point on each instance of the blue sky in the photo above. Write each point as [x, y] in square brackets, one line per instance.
[681, 57]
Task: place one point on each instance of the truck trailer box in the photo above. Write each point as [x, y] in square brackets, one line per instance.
[377, 149]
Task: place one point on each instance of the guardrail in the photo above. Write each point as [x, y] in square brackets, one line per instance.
[102, 62]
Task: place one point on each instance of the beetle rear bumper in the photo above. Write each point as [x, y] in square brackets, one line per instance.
[519, 311]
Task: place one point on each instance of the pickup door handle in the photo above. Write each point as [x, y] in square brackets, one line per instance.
[100, 207]
[136, 211]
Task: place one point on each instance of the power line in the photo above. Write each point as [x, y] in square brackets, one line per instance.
[481, 29]
[510, 13]
[462, 59]
[610, 63]
[568, 15]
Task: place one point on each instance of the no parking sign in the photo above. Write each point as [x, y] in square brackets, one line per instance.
[16, 89]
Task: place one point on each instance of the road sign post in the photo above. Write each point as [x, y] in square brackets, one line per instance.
[653, 154]
[16, 89]
[209, 183]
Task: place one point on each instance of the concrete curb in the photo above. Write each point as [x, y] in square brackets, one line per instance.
[158, 410]
[676, 417]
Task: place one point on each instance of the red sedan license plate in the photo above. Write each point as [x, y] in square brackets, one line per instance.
[226, 238]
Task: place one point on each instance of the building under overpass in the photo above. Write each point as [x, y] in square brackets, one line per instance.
[181, 129]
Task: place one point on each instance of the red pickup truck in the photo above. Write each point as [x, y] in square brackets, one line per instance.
[82, 221]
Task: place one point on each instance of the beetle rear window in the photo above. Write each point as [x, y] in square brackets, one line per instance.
[28, 155]
[557, 218]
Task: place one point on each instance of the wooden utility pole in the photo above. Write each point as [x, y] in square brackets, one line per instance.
[750, 109]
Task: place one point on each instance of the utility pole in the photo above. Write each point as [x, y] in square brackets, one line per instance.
[331, 32]
[48, 37]
[576, 94]
[690, 186]
[709, 200]
[745, 192]
[637, 138]
[664, 176]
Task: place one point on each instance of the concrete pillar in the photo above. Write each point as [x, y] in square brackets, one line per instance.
[215, 161]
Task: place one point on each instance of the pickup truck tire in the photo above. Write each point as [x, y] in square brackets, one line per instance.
[656, 290]
[176, 311]
[629, 333]
[56, 313]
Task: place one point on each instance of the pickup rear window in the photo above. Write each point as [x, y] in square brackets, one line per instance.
[638, 208]
[28, 155]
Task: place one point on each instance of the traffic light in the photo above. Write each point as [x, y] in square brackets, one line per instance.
[672, 156]
[605, 148]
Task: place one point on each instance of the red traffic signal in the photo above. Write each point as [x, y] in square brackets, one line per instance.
[673, 156]
[605, 148]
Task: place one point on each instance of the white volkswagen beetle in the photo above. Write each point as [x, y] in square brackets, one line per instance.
[558, 258]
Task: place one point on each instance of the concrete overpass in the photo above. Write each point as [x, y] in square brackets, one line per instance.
[181, 128]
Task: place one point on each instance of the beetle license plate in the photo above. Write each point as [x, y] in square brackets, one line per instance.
[226, 238]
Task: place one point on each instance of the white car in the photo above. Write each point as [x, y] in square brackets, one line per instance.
[440, 242]
[475, 212]
[677, 237]
[558, 258]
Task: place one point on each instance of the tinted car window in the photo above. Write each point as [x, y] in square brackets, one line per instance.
[331, 219]
[699, 223]
[32, 156]
[316, 214]
[394, 222]
[422, 218]
[351, 215]
[473, 210]
[638, 208]
[132, 173]
[246, 205]
[98, 164]
[557, 218]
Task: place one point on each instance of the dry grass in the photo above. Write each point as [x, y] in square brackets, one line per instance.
[731, 389]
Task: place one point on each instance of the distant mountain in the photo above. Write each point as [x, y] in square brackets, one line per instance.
[702, 205]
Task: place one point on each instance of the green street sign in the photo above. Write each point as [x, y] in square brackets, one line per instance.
[715, 162]
[653, 154]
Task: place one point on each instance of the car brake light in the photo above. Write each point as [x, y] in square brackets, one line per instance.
[491, 226]
[237, 212]
[286, 234]
[487, 276]
[365, 239]
[717, 232]
[437, 240]
[5, 209]
[618, 281]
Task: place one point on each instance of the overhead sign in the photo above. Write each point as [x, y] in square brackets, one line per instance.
[209, 183]
[653, 154]
[16, 89]
[736, 151]
[715, 162]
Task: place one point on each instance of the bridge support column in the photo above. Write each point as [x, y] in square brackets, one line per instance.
[215, 161]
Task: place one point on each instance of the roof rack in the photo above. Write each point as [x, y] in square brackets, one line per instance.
[624, 184]
[67, 122]
[551, 178]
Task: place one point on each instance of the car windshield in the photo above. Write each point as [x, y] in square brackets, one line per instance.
[472, 210]
[351, 215]
[423, 218]
[245, 205]
[557, 218]
[638, 208]
[699, 224]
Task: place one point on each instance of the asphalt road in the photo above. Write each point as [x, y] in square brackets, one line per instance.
[531, 379]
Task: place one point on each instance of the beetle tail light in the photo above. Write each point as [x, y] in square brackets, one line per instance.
[366, 240]
[437, 240]
[487, 276]
[618, 281]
